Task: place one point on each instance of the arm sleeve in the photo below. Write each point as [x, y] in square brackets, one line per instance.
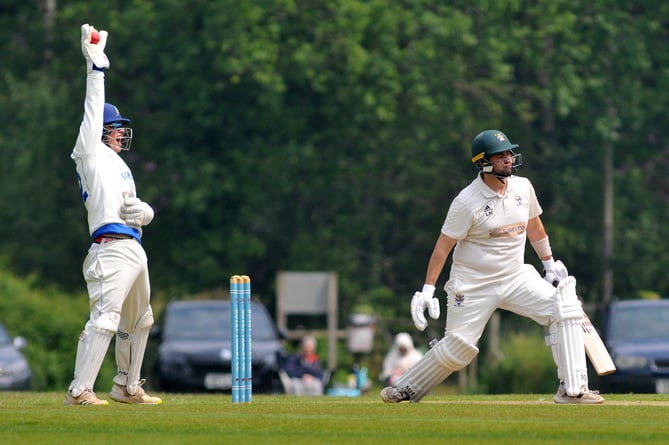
[458, 220]
[293, 367]
[535, 207]
[314, 369]
[90, 130]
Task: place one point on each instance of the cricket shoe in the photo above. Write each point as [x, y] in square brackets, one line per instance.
[586, 397]
[87, 397]
[390, 394]
[120, 394]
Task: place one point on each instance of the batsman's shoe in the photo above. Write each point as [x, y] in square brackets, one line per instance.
[120, 394]
[87, 397]
[390, 394]
[586, 397]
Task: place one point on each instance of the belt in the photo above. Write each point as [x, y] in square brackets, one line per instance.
[103, 239]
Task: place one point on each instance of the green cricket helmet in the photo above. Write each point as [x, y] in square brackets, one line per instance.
[488, 143]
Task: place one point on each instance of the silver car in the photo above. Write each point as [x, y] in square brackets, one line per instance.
[15, 373]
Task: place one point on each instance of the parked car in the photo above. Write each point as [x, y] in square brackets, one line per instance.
[15, 373]
[637, 336]
[194, 352]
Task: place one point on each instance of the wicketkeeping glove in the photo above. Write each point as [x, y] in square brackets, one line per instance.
[421, 301]
[554, 271]
[94, 53]
[135, 212]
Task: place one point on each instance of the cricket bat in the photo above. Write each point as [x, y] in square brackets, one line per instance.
[595, 348]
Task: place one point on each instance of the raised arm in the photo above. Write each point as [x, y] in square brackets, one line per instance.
[90, 131]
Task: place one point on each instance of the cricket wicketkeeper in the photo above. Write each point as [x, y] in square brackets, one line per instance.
[115, 268]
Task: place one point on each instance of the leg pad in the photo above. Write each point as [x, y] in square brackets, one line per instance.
[451, 353]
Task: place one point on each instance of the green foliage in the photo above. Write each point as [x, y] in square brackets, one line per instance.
[302, 135]
[51, 322]
[525, 366]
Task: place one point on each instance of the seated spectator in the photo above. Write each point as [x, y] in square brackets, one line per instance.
[305, 370]
[402, 356]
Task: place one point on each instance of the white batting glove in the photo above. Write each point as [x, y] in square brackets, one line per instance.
[135, 212]
[421, 301]
[94, 53]
[554, 271]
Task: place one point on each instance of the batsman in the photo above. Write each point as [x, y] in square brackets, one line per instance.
[115, 268]
[487, 227]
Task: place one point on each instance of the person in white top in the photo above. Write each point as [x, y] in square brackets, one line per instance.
[115, 269]
[401, 357]
[487, 227]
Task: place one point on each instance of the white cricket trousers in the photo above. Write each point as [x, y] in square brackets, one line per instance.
[471, 304]
[117, 277]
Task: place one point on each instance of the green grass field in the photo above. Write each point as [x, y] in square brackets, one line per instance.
[41, 418]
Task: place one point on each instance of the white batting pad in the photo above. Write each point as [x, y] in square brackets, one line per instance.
[130, 349]
[567, 344]
[450, 354]
[91, 351]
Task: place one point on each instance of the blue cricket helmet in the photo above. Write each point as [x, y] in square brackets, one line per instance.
[112, 115]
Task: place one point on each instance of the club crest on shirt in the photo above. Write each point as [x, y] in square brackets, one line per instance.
[487, 210]
[459, 300]
[519, 200]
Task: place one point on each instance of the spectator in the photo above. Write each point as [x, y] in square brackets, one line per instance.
[402, 356]
[305, 370]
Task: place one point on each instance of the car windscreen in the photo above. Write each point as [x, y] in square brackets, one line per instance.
[212, 323]
[634, 323]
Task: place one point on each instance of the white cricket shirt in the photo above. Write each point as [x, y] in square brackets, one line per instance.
[103, 175]
[490, 229]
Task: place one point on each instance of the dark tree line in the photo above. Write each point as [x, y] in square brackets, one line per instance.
[310, 135]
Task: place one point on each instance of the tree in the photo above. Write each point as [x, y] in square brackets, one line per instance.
[332, 135]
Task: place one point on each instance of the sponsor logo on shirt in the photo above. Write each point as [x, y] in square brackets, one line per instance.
[512, 230]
